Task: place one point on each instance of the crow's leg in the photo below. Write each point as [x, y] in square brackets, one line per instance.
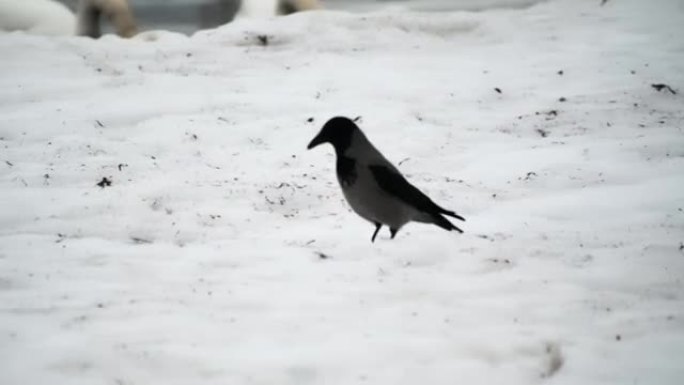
[377, 228]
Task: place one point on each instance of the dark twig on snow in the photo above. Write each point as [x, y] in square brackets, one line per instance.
[660, 86]
[140, 241]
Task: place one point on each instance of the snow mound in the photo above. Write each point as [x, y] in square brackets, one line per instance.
[335, 30]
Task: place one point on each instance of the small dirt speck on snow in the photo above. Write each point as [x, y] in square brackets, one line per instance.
[263, 40]
[554, 358]
[104, 182]
[530, 175]
[322, 255]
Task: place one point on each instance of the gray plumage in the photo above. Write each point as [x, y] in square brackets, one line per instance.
[374, 188]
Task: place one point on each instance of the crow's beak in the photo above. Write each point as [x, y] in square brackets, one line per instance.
[316, 141]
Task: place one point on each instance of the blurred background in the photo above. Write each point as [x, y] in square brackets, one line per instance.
[188, 16]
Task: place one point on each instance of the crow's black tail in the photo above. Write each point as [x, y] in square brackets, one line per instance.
[451, 214]
[445, 224]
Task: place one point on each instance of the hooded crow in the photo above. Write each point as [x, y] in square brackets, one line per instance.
[374, 188]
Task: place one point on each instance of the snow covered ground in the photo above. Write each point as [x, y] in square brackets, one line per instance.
[202, 261]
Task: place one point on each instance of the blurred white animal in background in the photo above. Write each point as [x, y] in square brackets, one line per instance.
[49, 17]
[43, 17]
[266, 8]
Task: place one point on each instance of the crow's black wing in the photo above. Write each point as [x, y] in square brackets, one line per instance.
[396, 185]
[393, 183]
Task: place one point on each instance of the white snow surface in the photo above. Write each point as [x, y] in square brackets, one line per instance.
[201, 263]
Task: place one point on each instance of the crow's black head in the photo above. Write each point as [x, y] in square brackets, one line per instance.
[337, 131]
